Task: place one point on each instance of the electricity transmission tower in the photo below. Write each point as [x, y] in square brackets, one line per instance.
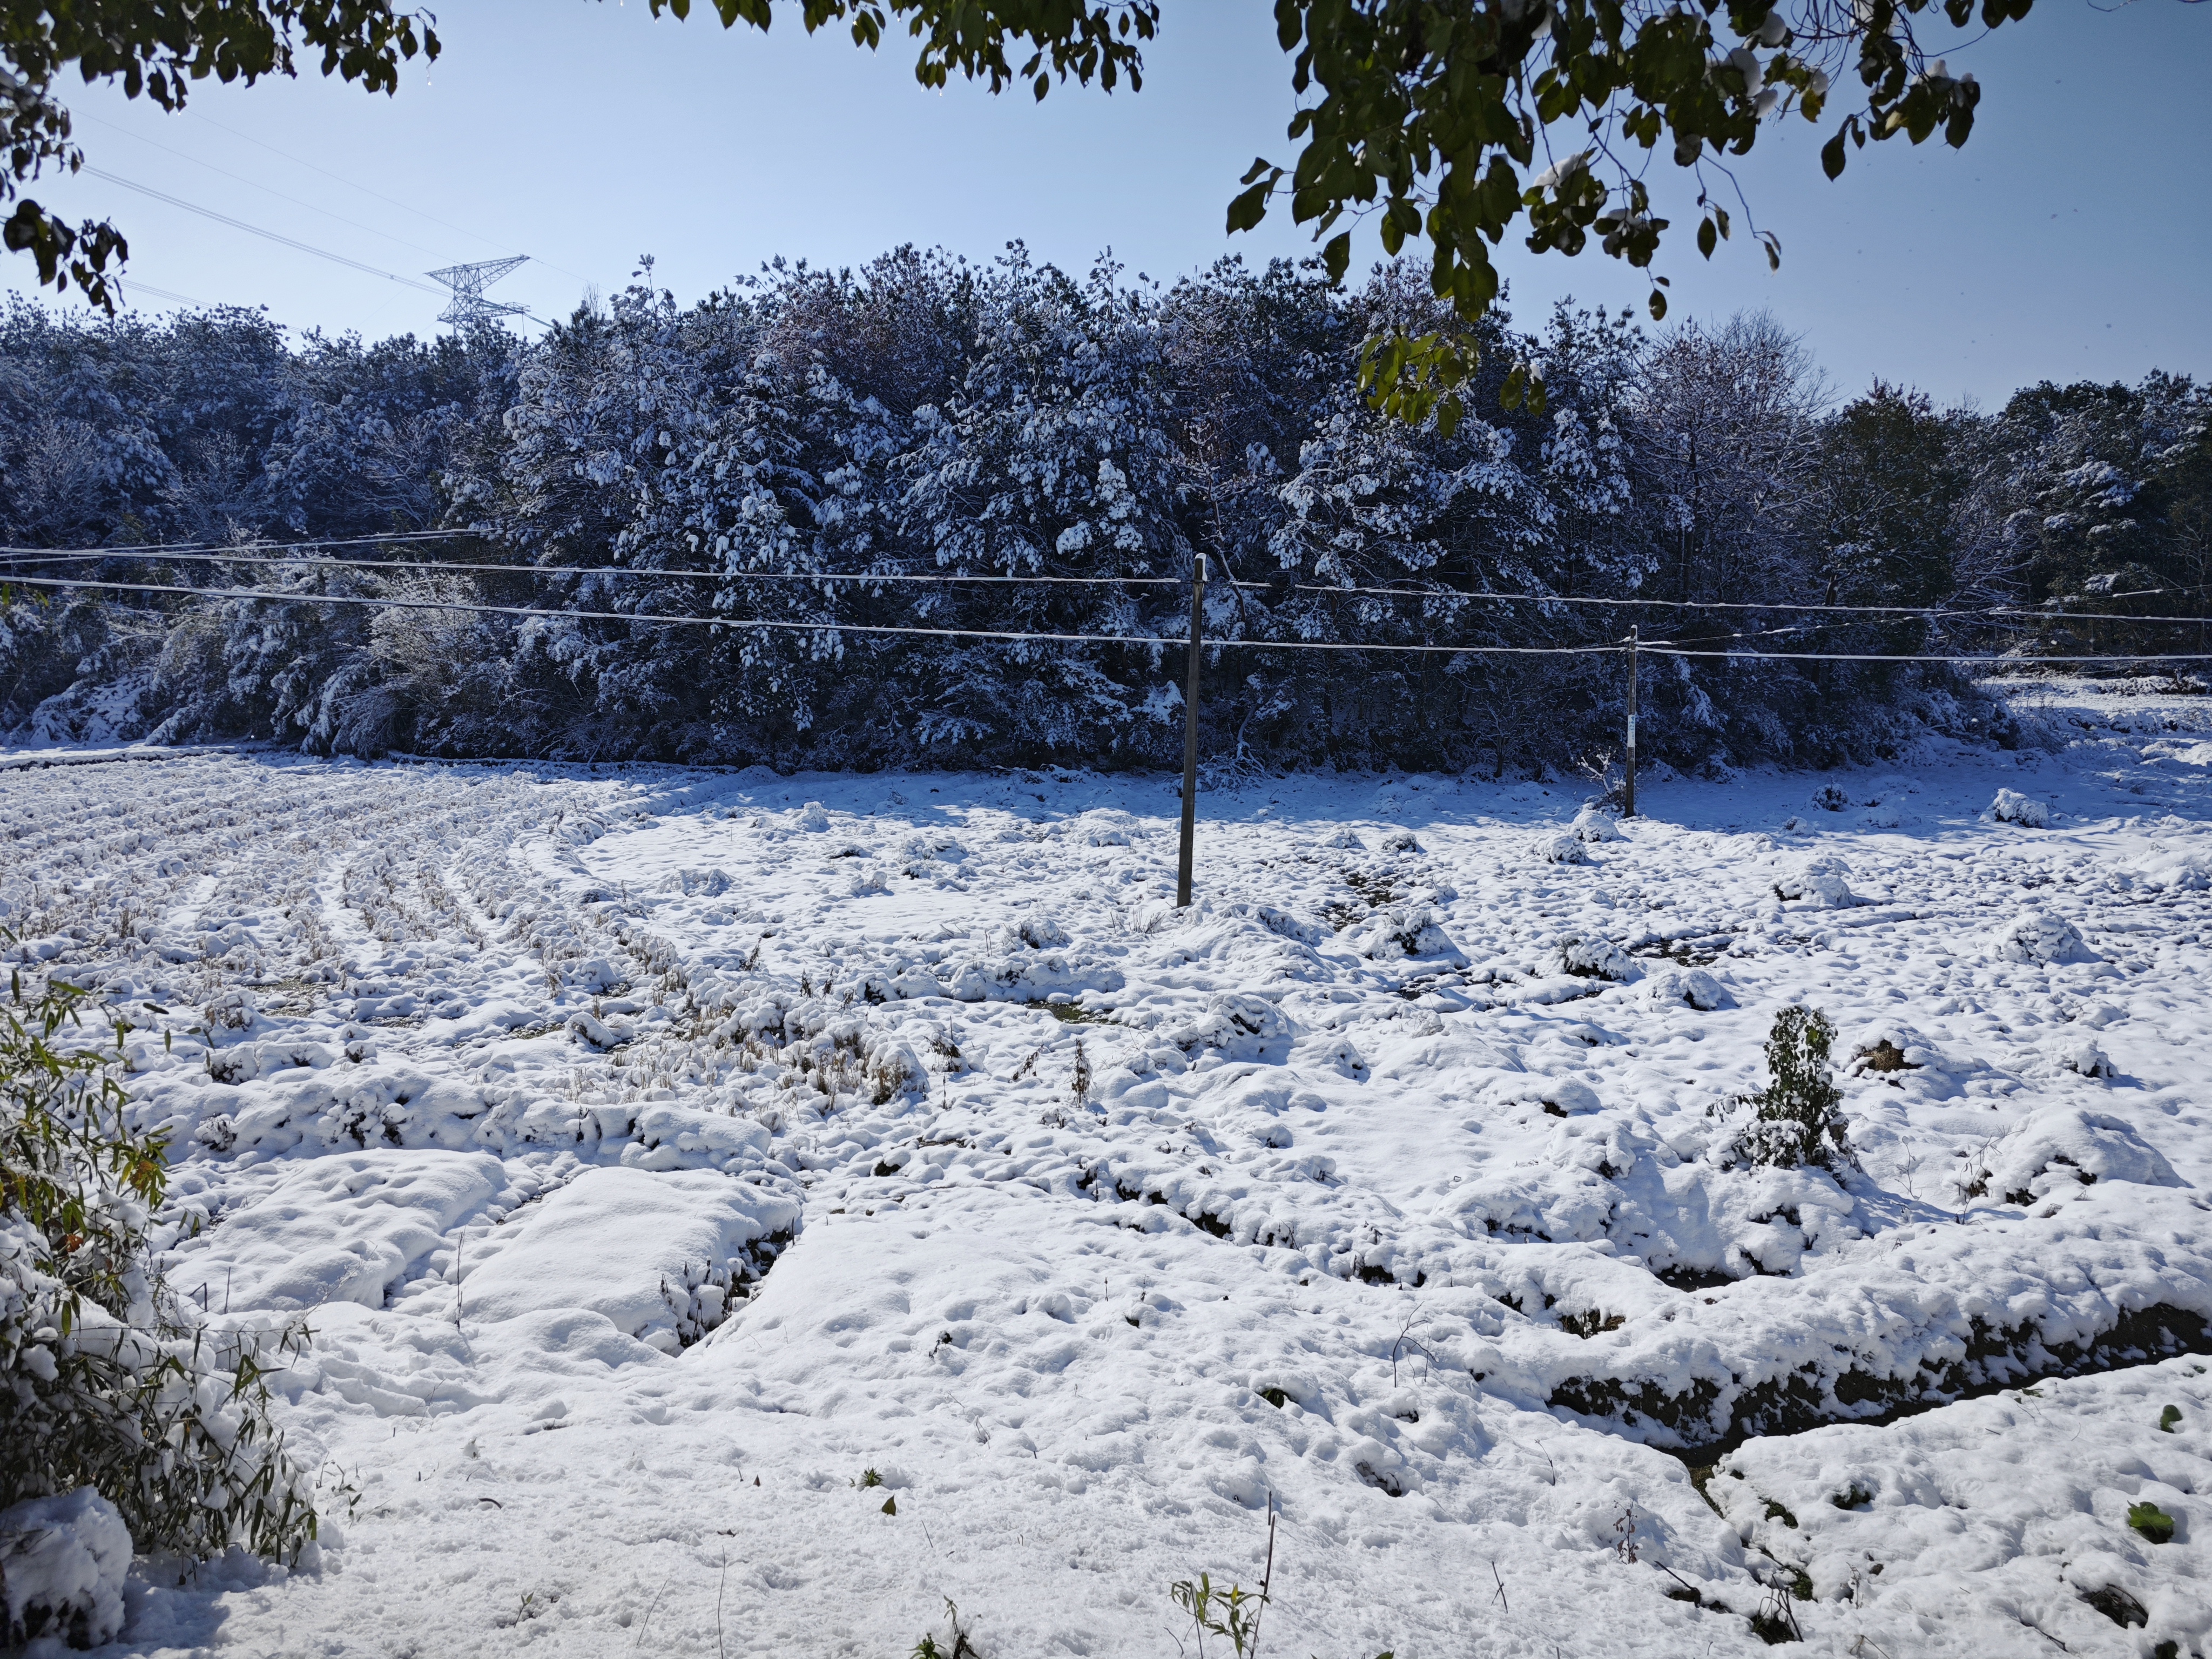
[468, 283]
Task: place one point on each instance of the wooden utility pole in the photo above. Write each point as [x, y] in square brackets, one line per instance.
[1190, 734]
[1630, 804]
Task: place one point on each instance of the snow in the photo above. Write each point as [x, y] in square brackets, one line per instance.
[2011, 806]
[655, 1152]
[63, 1560]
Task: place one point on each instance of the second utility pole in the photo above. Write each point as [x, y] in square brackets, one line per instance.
[1190, 736]
[1630, 804]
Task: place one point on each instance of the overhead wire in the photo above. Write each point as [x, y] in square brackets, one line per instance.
[255, 184]
[1149, 640]
[240, 224]
[865, 578]
[475, 235]
[1704, 605]
[201, 553]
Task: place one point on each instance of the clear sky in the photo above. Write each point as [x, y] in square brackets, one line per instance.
[2072, 239]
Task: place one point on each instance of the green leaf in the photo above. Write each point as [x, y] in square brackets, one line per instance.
[1250, 207]
[2152, 1521]
[1832, 155]
[1708, 238]
[1258, 169]
[1658, 305]
[1336, 255]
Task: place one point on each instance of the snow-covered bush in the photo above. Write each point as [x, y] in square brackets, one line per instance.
[1562, 849]
[1831, 798]
[63, 1560]
[1594, 958]
[1393, 931]
[1593, 824]
[1823, 884]
[2010, 806]
[2061, 1147]
[1797, 1120]
[1692, 985]
[107, 1379]
[2083, 1056]
[2040, 939]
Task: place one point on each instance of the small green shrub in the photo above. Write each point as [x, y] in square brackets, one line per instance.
[2168, 1418]
[1797, 1120]
[107, 1379]
[1233, 1612]
[927, 1647]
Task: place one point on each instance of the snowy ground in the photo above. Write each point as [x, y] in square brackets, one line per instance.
[656, 1153]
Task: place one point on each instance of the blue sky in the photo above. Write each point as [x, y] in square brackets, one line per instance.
[2072, 239]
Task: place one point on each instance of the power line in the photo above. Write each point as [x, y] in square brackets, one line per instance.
[256, 230]
[865, 578]
[1865, 656]
[1995, 614]
[1149, 641]
[349, 184]
[1925, 611]
[164, 292]
[738, 623]
[122, 548]
[255, 184]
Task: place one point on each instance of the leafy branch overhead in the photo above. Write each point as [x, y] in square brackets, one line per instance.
[1453, 121]
[1450, 120]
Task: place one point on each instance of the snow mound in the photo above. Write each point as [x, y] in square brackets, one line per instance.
[1345, 840]
[1411, 932]
[1594, 825]
[1241, 1027]
[1888, 1045]
[812, 817]
[1830, 797]
[1562, 849]
[1822, 884]
[2081, 1055]
[2041, 940]
[2010, 806]
[1401, 840]
[635, 1246]
[2173, 870]
[62, 1565]
[675, 1137]
[698, 883]
[2062, 1145]
[1596, 958]
[1694, 986]
[342, 1228]
[1041, 933]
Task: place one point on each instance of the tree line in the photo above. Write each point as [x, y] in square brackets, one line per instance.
[927, 416]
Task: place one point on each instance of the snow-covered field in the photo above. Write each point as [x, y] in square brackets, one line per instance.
[663, 1160]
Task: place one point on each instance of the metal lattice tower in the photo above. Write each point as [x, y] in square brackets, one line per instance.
[469, 306]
